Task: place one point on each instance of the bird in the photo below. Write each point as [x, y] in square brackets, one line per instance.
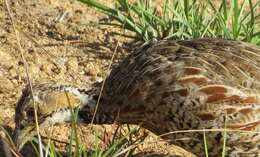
[168, 87]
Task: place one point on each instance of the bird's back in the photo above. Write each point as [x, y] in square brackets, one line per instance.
[193, 84]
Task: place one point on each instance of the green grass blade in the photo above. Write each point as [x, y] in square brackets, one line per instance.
[205, 144]
[99, 6]
[118, 142]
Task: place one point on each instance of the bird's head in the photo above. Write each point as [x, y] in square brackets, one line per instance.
[47, 106]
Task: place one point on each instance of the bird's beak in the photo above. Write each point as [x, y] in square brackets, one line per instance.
[21, 136]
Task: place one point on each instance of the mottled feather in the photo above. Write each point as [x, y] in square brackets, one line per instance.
[171, 86]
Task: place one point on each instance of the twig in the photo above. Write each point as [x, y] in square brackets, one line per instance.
[27, 74]
[208, 130]
[103, 83]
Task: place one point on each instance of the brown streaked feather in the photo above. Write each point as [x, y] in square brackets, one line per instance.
[192, 84]
[170, 86]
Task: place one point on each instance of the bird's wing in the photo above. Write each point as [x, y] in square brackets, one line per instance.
[204, 78]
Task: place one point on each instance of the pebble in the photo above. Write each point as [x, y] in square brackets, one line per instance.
[5, 85]
[72, 64]
[34, 69]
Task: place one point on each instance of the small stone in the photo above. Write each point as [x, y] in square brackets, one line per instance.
[92, 70]
[13, 72]
[5, 85]
[96, 79]
[5, 58]
[56, 70]
[34, 69]
[72, 64]
[46, 68]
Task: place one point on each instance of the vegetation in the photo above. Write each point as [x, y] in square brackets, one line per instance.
[185, 19]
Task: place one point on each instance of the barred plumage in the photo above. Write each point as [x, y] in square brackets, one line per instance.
[186, 85]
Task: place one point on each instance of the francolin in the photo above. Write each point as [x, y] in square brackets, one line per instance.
[168, 86]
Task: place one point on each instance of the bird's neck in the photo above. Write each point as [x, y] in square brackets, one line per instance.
[94, 111]
[90, 114]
